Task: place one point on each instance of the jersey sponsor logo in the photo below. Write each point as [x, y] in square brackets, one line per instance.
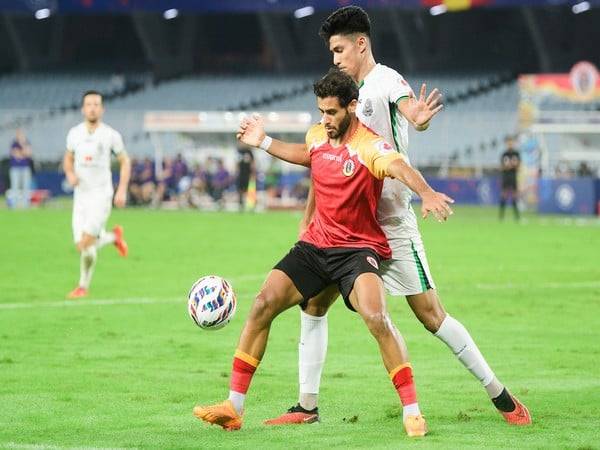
[384, 148]
[368, 108]
[330, 157]
[348, 168]
[373, 262]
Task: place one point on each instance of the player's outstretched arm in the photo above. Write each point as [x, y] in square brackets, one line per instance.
[433, 202]
[252, 133]
[68, 168]
[420, 111]
[124, 175]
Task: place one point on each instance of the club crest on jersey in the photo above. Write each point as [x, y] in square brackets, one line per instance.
[373, 262]
[348, 168]
[368, 108]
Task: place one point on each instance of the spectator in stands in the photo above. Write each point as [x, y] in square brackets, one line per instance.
[20, 170]
[272, 180]
[509, 162]
[301, 188]
[167, 186]
[246, 171]
[584, 170]
[143, 182]
[220, 181]
[180, 172]
[563, 171]
[197, 195]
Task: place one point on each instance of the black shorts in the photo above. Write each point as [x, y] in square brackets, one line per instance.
[312, 269]
[243, 180]
[509, 182]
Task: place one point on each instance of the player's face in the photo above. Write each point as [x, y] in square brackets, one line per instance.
[335, 118]
[348, 52]
[92, 108]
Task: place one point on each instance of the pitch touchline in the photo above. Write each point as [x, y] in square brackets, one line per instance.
[52, 447]
[157, 301]
[548, 285]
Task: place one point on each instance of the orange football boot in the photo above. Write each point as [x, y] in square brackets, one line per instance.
[222, 414]
[296, 415]
[78, 292]
[120, 241]
[520, 416]
[415, 426]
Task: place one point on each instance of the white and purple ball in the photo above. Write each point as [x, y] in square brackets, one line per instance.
[211, 302]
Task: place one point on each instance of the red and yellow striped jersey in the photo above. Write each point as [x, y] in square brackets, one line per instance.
[347, 182]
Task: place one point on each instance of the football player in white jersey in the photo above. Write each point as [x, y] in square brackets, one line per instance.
[387, 105]
[87, 168]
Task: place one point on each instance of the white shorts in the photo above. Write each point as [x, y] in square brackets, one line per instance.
[90, 213]
[407, 273]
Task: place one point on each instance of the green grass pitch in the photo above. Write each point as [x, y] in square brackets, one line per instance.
[125, 367]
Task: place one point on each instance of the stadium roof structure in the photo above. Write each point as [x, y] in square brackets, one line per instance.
[124, 6]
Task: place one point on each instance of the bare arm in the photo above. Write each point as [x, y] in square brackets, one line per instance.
[420, 111]
[292, 153]
[68, 168]
[124, 175]
[309, 210]
[433, 202]
[252, 133]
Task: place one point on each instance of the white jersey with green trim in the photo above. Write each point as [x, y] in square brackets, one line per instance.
[379, 94]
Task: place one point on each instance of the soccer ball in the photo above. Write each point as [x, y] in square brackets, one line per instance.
[211, 302]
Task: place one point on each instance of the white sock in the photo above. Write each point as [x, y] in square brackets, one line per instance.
[410, 410]
[87, 263]
[312, 350]
[238, 401]
[456, 336]
[494, 388]
[106, 237]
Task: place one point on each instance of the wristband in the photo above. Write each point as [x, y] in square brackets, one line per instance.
[266, 143]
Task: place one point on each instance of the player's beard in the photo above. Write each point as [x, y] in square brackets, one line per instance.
[343, 127]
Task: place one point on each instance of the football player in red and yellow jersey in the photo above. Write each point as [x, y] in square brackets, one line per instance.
[344, 244]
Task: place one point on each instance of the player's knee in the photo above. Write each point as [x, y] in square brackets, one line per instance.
[433, 322]
[264, 308]
[316, 310]
[432, 318]
[379, 324]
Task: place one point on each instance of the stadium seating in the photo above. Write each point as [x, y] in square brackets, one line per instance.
[480, 109]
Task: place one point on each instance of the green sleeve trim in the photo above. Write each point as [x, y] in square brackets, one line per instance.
[401, 97]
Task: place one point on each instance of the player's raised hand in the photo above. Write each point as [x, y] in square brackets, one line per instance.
[251, 130]
[437, 204]
[421, 110]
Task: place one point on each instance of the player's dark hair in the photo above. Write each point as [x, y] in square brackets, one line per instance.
[91, 92]
[344, 21]
[337, 84]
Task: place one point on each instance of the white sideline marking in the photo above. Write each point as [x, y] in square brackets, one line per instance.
[98, 302]
[548, 285]
[128, 301]
[53, 447]
[167, 300]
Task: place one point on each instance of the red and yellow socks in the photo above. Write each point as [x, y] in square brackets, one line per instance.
[244, 366]
[402, 377]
